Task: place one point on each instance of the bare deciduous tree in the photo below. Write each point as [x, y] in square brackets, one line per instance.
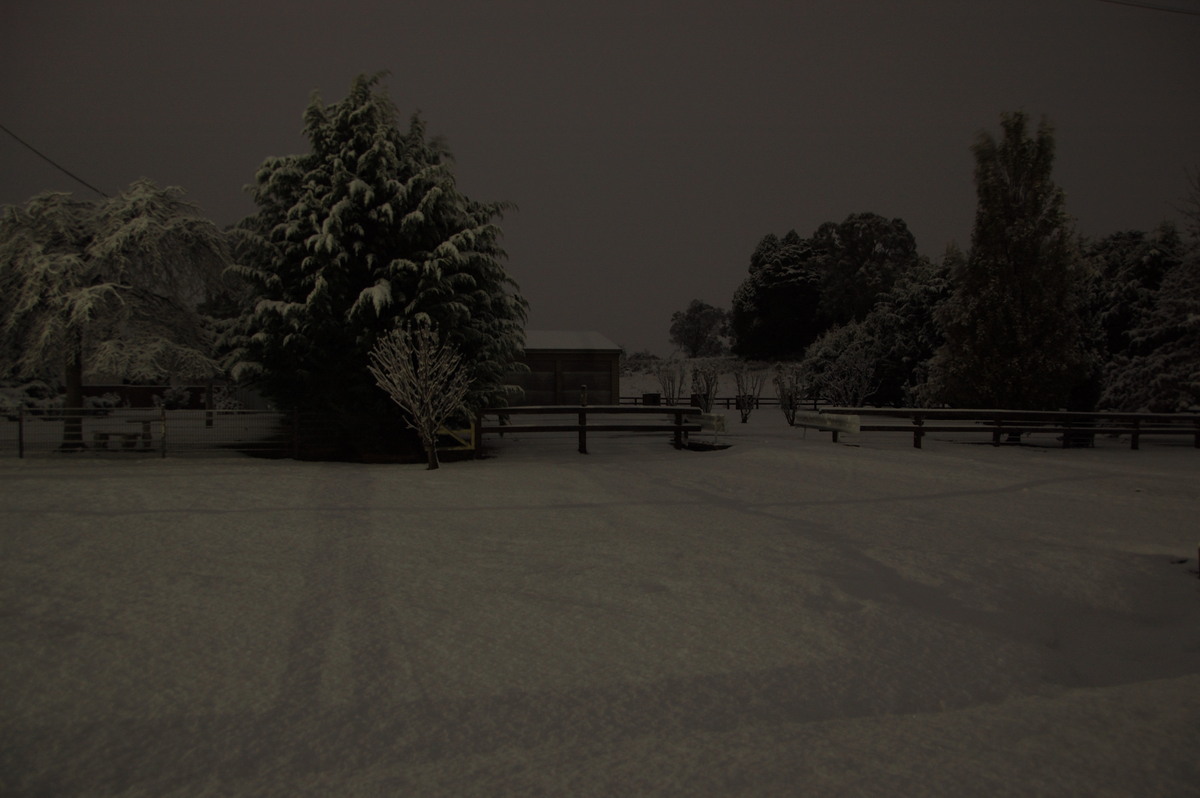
[749, 381]
[704, 383]
[425, 377]
[670, 375]
[789, 387]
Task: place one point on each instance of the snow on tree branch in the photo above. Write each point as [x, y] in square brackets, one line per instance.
[424, 376]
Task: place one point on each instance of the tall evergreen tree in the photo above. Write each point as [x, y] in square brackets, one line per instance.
[364, 233]
[1013, 324]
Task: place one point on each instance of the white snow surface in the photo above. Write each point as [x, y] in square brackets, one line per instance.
[788, 616]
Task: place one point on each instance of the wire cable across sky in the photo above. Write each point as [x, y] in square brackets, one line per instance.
[51, 161]
[1153, 7]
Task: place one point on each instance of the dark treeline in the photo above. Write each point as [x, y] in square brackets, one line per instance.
[1030, 317]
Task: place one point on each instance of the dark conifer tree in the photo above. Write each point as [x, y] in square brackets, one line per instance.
[364, 233]
[1013, 324]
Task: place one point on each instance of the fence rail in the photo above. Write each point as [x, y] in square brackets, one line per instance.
[582, 426]
[725, 402]
[146, 432]
[1073, 428]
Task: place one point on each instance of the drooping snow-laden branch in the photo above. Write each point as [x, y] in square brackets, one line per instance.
[424, 376]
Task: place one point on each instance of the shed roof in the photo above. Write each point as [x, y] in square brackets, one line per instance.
[568, 340]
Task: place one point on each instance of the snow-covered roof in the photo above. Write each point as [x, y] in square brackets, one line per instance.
[568, 340]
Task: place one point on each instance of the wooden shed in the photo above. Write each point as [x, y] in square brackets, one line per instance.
[560, 361]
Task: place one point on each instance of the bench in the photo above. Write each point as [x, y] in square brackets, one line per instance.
[129, 440]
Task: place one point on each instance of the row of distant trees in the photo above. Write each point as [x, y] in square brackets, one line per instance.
[359, 240]
[1031, 317]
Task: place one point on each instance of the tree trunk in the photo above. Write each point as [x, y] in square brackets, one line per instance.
[72, 413]
[429, 441]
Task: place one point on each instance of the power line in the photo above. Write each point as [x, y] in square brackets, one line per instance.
[48, 160]
[1153, 7]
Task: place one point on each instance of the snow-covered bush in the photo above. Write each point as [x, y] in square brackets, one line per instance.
[173, 398]
[790, 387]
[705, 374]
[841, 365]
[101, 405]
[35, 397]
[671, 375]
[749, 379]
[425, 377]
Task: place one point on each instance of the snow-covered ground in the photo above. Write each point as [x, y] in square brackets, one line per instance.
[787, 616]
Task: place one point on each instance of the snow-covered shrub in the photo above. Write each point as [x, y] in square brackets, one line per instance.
[425, 376]
[36, 397]
[842, 364]
[790, 388]
[101, 405]
[670, 374]
[223, 399]
[749, 379]
[704, 383]
[173, 398]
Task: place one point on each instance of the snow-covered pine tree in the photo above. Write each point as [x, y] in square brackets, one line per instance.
[109, 286]
[1013, 323]
[351, 240]
[798, 288]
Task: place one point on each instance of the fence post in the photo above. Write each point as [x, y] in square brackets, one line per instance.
[21, 432]
[582, 419]
[163, 415]
[296, 434]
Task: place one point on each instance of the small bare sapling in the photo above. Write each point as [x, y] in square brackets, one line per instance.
[424, 376]
[704, 383]
[749, 381]
[789, 387]
[670, 376]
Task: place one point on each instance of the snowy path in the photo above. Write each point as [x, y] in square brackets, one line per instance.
[784, 617]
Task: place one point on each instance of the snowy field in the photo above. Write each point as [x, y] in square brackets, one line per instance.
[784, 617]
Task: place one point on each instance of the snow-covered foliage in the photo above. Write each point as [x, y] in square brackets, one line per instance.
[842, 365]
[425, 377]
[110, 286]
[902, 328]
[1013, 325]
[362, 234]
[798, 288]
[1127, 268]
[774, 310]
[1161, 372]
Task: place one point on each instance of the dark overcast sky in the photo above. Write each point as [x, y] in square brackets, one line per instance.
[648, 145]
